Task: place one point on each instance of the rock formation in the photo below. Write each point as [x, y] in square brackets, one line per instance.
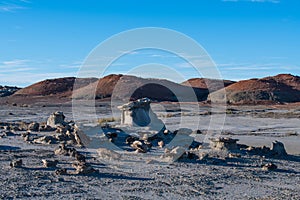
[16, 163]
[140, 146]
[139, 113]
[83, 168]
[55, 119]
[66, 151]
[227, 144]
[47, 139]
[205, 83]
[269, 167]
[34, 126]
[278, 149]
[283, 88]
[49, 163]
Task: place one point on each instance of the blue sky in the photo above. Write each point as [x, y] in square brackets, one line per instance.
[42, 39]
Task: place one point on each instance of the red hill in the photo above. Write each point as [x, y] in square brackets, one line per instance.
[283, 88]
[205, 83]
[124, 87]
[61, 87]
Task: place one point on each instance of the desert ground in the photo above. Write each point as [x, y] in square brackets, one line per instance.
[220, 175]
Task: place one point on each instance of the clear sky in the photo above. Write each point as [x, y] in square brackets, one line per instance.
[42, 39]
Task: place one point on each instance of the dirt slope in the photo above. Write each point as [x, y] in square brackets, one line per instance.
[131, 87]
[283, 88]
[204, 83]
[61, 87]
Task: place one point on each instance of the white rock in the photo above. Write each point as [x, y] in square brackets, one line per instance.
[174, 154]
[55, 119]
[161, 144]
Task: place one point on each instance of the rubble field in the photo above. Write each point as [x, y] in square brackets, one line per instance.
[46, 154]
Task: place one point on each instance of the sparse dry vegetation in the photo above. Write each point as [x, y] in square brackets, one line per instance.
[107, 120]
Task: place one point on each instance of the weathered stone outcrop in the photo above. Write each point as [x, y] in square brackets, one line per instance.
[139, 114]
[56, 119]
[34, 126]
[278, 149]
[283, 88]
[83, 168]
[227, 144]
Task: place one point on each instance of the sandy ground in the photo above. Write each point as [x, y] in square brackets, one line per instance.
[132, 177]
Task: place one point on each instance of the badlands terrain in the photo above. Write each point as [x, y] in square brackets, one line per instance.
[50, 162]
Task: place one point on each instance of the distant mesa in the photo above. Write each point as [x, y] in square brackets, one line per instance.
[205, 83]
[283, 88]
[116, 86]
[104, 88]
[61, 87]
[124, 86]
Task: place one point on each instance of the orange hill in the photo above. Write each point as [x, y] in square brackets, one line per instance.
[205, 83]
[283, 88]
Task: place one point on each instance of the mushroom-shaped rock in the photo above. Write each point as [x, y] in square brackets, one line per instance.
[139, 114]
